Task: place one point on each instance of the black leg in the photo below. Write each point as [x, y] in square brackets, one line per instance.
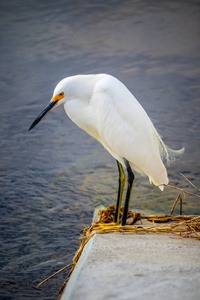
[131, 178]
[122, 179]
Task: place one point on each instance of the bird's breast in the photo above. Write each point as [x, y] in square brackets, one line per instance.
[83, 116]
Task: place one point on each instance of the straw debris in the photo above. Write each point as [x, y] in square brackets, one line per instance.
[182, 226]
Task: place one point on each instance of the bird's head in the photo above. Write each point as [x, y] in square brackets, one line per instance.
[73, 87]
[57, 99]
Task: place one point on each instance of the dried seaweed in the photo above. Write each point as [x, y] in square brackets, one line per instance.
[182, 226]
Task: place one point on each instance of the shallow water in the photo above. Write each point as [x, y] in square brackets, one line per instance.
[53, 177]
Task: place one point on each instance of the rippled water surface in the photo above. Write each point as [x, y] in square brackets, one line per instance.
[53, 177]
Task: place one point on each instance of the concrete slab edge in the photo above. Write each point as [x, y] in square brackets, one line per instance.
[80, 264]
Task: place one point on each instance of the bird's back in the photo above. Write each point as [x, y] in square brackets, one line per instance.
[115, 118]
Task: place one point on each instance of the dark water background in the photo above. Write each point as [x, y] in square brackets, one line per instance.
[53, 177]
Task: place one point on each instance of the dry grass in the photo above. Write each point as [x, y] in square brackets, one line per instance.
[182, 226]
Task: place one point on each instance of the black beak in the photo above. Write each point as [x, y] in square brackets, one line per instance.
[43, 113]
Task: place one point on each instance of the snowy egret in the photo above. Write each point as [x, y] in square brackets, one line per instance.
[102, 106]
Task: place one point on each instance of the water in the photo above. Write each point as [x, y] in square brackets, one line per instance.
[53, 177]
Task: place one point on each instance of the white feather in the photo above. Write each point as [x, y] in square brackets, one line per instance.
[102, 106]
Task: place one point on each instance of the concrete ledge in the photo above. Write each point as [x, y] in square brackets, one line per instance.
[136, 266]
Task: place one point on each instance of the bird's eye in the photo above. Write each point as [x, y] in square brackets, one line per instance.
[61, 94]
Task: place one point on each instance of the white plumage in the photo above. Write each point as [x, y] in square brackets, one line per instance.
[103, 107]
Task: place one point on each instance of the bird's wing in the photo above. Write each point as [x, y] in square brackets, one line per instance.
[126, 130]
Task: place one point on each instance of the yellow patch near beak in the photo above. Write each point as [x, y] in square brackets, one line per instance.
[57, 97]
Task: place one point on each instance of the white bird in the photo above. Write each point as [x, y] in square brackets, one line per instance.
[102, 106]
